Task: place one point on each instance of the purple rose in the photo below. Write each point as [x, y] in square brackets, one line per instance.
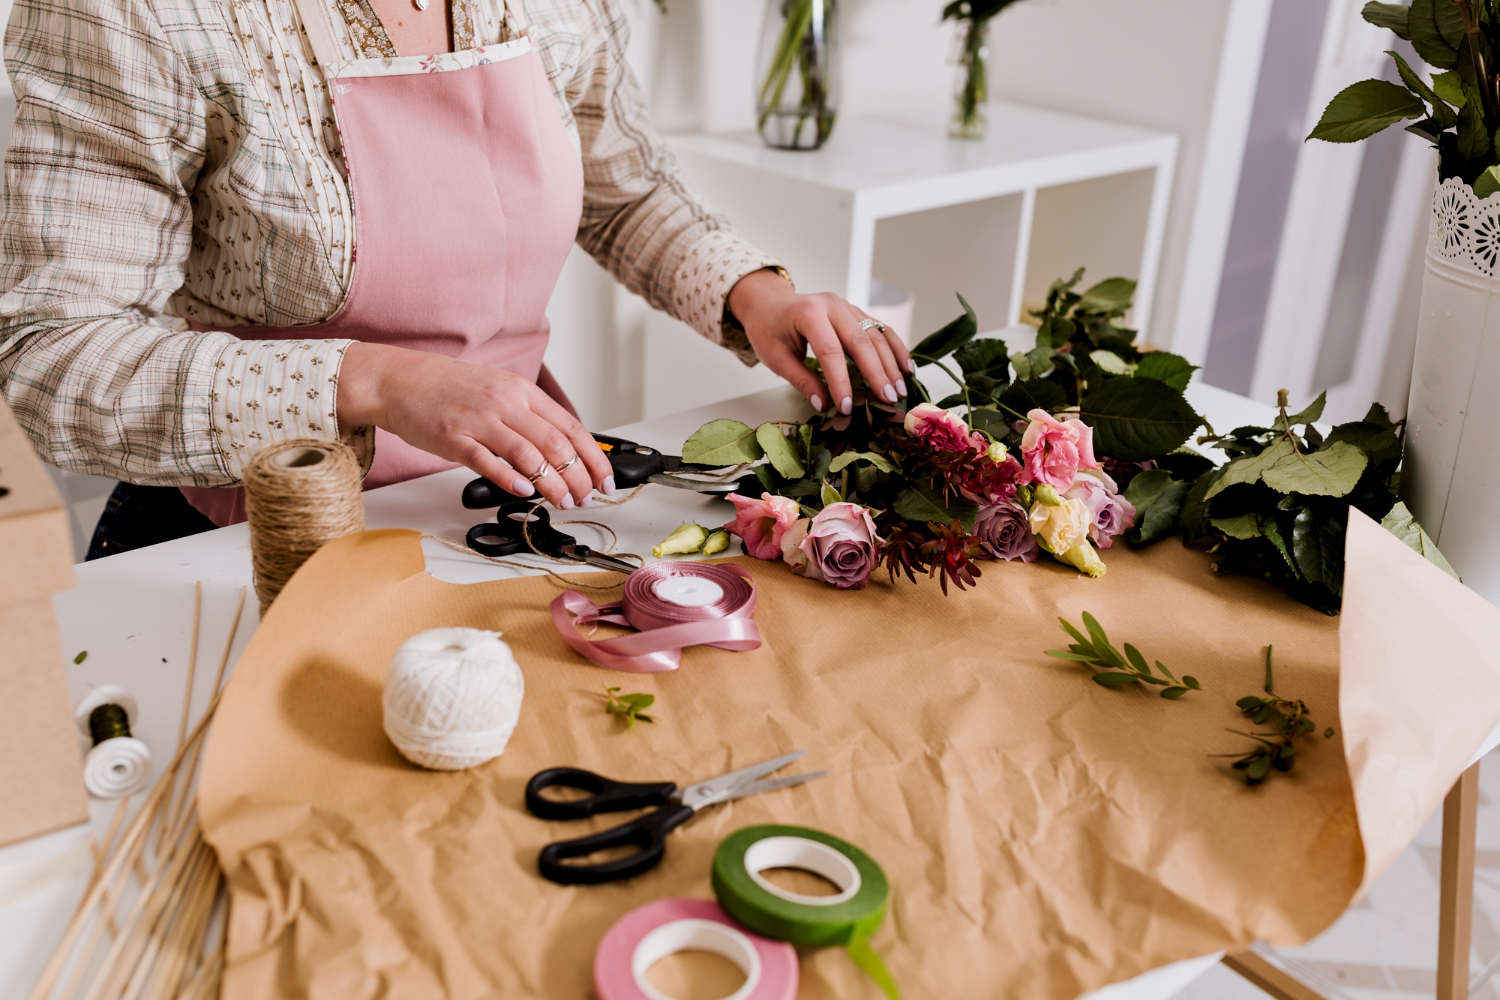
[839, 546]
[1111, 513]
[1005, 532]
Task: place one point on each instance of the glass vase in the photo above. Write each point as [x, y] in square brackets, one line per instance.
[971, 92]
[797, 78]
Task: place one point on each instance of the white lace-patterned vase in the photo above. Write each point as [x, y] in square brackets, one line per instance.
[1451, 476]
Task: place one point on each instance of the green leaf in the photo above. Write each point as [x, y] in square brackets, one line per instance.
[1391, 16]
[1311, 413]
[1488, 182]
[1137, 660]
[1449, 88]
[1077, 635]
[1330, 473]
[1426, 37]
[722, 442]
[1318, 547]
[1379, 441]
[1077, 657]
[1362, 109]
[81, 657]
[1450, 21]
[847, 458]
[1442, 115]
[983, 356]
[1138, 419]
[780, 451]
[1474, 140]
[1174, 692]
[1193, 521]
[804, 433]
[1404, 526]
[1110, 362]
[917, 503]
[950, 338]
[1157, 498]
[1115, 679]
[1192, 682]
[1110, 295]
[830, 495]
[1250, 468]
[821, 461]
[1164, 366]
[1101, 641]
[1243, 527]
[1259, 768]
[990, 420]
[1033, 394]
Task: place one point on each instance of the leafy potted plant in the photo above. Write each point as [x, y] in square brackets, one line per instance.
[972, 91]
[1453, 431]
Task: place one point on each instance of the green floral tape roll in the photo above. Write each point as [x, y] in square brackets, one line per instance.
[847, 918]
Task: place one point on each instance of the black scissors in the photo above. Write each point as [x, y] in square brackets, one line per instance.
[506, 536]
[648, 832]
[633, 464]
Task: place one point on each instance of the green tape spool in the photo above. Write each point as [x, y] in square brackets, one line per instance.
[848, 918]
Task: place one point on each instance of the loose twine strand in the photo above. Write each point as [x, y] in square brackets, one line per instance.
[557, 577]
[300, 494]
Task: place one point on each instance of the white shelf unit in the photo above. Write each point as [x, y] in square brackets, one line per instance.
[891, 196]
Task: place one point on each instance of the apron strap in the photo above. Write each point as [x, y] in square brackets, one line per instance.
[515, 19]
[317, 24]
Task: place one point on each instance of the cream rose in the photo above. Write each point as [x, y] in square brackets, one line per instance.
[1058, 527]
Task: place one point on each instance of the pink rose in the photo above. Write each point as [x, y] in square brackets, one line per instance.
[761, 523]
[839, 546]
[941, 430]
[1111, 513]
[1053, 450]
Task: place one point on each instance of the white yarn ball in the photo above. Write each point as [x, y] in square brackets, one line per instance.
[452, 698]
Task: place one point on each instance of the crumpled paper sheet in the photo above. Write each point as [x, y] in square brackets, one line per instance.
[1044, 835]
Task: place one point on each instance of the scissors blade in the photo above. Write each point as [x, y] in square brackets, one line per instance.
[771, 784]
[583, 553]
[711, 790]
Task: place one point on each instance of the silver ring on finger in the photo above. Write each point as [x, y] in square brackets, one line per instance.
[542, 472]
[872, 324]
[568, 464]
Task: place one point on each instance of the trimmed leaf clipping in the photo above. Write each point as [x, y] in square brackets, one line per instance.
[1404, 526]
[779, 450]
[722, 442]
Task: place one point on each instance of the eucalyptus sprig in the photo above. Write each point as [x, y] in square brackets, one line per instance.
[1276, 748]
[1116, 670]
[629, 706]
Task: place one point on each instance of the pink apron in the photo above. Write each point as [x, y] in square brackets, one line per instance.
[467, 194]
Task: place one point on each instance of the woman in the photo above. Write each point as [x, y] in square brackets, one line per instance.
[233, 221]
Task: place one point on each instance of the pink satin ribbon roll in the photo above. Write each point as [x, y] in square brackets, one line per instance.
[672, 606]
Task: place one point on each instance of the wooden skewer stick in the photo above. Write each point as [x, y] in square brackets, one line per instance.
[190, 772]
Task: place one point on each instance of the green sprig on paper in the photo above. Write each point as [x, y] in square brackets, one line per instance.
[1119, 671]
[1277, 748]
[630, 707]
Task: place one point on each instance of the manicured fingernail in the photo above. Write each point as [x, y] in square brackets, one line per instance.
[901, 386]
[817, 402]
[911, 367]
[609, 486]
[567, 502]
[522, 487]
[890, 394]
[587, 501]
[847, 406]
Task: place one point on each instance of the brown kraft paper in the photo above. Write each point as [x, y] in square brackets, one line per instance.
[1043, 835]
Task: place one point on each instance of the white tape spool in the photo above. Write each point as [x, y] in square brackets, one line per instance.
[695, 935]
[119, 766]
[688, 591]
[809, 855]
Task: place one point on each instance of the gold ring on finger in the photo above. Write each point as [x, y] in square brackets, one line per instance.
[568, 464]
[871, 324]
[541, 473]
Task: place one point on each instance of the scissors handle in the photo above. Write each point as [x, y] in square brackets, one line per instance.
[648, 832]
[606, 794]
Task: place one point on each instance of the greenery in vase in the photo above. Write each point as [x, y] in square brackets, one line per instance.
[1458, 112]
[973, 93]
[798, 48]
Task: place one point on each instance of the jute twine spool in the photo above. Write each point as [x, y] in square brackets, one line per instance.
[299, 495]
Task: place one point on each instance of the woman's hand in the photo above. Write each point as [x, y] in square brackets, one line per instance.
[782, 324]
[498, 424]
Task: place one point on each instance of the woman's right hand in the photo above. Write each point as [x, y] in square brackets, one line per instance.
[496, 423]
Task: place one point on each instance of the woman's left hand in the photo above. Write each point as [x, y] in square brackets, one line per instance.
[781, 325]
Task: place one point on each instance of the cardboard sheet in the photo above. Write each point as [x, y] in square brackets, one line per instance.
[1043, 835]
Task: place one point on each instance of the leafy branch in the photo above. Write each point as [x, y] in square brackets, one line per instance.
[1119, 671]
[1276, 748]
[629, 706]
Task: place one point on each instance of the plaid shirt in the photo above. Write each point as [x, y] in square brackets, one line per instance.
[178, 160]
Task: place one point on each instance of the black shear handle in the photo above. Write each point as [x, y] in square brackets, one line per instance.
[648, 832]
[606, 794]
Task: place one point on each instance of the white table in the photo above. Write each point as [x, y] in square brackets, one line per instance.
[133, 614]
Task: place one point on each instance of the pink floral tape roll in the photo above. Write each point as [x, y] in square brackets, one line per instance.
[673, 605]
[644, 936]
